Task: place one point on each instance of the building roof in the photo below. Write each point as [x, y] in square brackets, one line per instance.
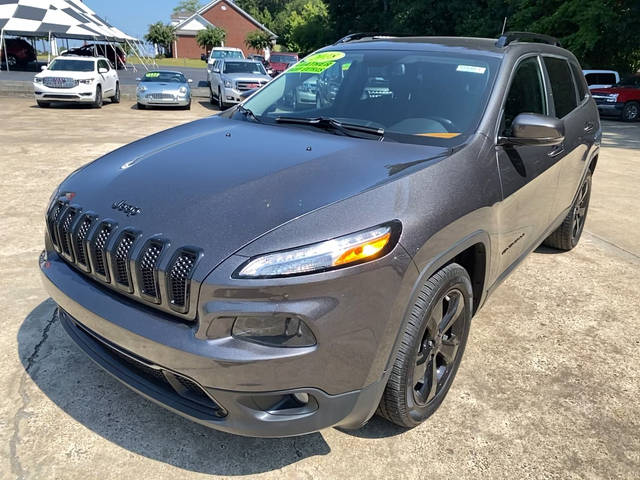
[180, 26]
[185, 26]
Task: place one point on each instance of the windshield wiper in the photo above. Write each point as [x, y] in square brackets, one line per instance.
[248, 113]
[328, 122]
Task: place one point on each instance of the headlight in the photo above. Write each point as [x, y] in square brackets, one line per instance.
[227, 83]
[142, 88]
[37, 80]
[612, 97]
[340, 252]
[88, 81]
[183, 90]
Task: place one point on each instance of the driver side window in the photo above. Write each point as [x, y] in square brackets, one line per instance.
[526, 94]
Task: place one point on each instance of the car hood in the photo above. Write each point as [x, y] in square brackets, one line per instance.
[218, 184]
[607, 91]
[162, 86]
[249, 77]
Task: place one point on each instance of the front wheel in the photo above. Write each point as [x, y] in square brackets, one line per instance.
[631, 112]
[567, 235]
[42, 104]
[141, 106]
[212, 100]
[433, 342]
[98, 101]
[220, 101]
[116, 96]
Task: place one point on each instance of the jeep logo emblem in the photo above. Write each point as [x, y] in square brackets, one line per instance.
[124, 207]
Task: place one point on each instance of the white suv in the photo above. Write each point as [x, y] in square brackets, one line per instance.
[77, 79]
[221, 53]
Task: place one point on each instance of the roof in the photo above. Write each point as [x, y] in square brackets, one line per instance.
[486, 46]
[59, 18]
[181, 26]
[231, 4]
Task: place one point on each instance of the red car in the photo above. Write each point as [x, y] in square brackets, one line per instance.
[621, 100]
[19, 52]
[279, 62]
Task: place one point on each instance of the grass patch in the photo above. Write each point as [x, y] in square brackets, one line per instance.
[174, 62]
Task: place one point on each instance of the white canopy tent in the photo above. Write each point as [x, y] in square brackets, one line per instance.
[52, 19]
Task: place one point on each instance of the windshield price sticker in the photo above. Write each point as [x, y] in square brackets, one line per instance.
[471, 69]
[152, 75]
[317, 63]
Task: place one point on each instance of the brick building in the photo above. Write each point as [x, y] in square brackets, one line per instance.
[224, 14]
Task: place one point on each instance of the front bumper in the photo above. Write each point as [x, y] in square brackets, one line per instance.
[243, 388]
[606, 108]
[81, 93]
[231, 95]
[176, 100]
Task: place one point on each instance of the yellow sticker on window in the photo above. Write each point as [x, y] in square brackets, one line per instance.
[317, 63]
[440, 134]
[346, 65]
[152, 74]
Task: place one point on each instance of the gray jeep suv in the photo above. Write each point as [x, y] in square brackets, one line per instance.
[288, 266]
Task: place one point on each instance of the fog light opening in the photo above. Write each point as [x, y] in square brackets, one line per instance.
[278, 331]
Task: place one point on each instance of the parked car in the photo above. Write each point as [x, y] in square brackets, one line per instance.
[280, 61]
[77, 79]
[117, 57]
[601, 78]
[19, 53]
[622, 100]
[163, 88]
[272, 272]
[221, 53]
[229, 78]
[263, 60]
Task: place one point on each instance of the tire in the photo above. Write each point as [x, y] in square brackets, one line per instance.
[428, 349]
[42, 104]
[116, 96]
[212, 100]
[631, 112]
[141, 106]
[567, 235]
[221, 105]
[98, 101]
[187, 106]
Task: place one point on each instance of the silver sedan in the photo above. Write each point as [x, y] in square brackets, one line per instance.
[163, 88]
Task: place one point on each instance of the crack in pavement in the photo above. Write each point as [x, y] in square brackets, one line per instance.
[16, 466]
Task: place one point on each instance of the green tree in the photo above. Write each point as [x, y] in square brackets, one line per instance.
[211, 37]
[162, 35]
[258, 40]
[187, 7]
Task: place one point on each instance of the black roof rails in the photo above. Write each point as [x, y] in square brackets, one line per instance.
[509, 37]
[359, 36]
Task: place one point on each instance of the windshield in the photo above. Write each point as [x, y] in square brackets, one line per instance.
[276, 58]
[60, 65]
[226, 54]
[244, 67]
[166, 77]
[415, 97]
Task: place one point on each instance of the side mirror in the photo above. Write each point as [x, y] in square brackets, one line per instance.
[138, 79]
[216, 70]
[103, 70]
[43, 68]
[534, 129]
[189, 81]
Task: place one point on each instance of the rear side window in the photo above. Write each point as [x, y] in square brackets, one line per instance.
[580, 83]
[562, 86]
[526, 94]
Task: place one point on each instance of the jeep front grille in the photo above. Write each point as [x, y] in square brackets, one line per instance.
[123, 258]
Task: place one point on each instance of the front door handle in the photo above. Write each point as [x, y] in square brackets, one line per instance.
[589, 126]
[557, 150]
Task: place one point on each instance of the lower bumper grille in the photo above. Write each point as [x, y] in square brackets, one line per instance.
[170, 383]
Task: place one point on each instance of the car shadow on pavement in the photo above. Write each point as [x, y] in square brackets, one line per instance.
[208, 105]
[102, 404]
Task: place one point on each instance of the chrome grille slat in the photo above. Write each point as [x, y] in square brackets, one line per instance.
[54, 216]
[99, 250]
[178, 279]
[121, 256]
[148, 263]
[79, 239]
[64, 232]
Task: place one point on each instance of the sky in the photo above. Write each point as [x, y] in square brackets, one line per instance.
[133, 16]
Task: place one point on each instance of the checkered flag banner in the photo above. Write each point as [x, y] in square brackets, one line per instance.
[60, 18]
